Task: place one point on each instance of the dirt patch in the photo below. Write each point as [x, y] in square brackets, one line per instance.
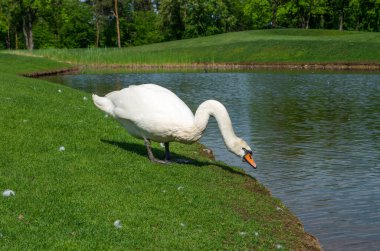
[311, 243]
[208, 153]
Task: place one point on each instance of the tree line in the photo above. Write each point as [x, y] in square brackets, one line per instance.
[29, 24]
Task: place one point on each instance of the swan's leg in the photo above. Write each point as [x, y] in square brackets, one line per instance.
[150, 153]
[167, 152]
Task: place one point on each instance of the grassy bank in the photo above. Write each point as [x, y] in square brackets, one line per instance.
[283, 46]
[75, 172]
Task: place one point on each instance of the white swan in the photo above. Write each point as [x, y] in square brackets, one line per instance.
[151, 112]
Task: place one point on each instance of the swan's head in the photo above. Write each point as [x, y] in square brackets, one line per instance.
[241, 149]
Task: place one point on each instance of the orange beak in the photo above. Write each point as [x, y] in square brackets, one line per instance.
[248, 157]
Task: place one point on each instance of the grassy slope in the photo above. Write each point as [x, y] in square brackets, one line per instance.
[260, 46]
[70, 199]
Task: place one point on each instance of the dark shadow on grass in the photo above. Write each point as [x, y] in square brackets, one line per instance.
[140, 149]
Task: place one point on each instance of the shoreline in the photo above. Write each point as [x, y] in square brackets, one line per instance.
[338, 67]
[244, 66]
[51, 72]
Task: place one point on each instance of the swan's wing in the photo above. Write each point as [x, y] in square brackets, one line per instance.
[149, 105]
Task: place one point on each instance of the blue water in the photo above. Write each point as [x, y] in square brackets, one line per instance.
[315, 136]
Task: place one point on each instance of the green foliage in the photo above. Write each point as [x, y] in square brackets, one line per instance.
[195, 18]
[144, 29]
[4, 15]
[77, 31]
[172, 22]
[8, 11]
[204, 18]
[91, 23]
[43, 37]
[259, 11]
[303, 13]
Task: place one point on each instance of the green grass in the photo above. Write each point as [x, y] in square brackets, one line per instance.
[260, 46]
[68, 200]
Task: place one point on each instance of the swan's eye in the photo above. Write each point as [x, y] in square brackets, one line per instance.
[247, 151]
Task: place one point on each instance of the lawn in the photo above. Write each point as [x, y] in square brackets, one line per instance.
[284, 46]
[75, 172]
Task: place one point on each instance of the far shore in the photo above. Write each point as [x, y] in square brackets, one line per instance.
[370, 67]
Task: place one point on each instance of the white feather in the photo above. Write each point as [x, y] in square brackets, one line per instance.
[117, 224]
[8, 193]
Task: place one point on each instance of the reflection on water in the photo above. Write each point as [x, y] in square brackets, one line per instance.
[316, 139]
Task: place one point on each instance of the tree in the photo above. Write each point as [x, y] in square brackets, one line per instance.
[313, 8]
[205, 18]
[340, 7]
[116, 14]
[371, 11]
[28, 11]
[172, 13]
[259, 12]
[77, 30]
[304, 11]
[141, 23]
[103, 13]
[236, 10]
[48, 28]
[5, 20]
[275, 5]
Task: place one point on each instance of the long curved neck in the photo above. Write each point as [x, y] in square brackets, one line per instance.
[217, 110]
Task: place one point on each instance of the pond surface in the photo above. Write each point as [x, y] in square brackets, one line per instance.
[315, 136]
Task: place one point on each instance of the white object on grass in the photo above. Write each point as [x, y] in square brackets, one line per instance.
[84, 98]
[117, 224]
[256, 234]
[180, 188]
[8, 193]
[242, 233]
[59, 90]
[61, 148]
[279, 246]
[183, 225]
[138, 107]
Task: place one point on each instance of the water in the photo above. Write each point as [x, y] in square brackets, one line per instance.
[316, 140]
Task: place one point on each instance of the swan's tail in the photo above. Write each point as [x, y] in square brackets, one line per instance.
[104, 104]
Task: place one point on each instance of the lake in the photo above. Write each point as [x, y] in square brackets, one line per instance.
[315, 137]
